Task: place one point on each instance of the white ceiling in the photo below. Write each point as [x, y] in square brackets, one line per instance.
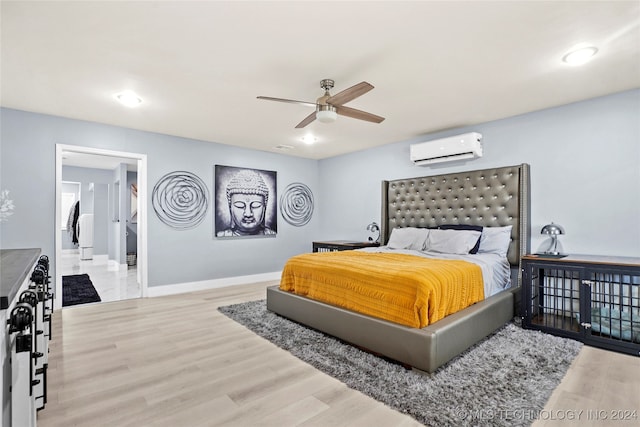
[200, 65]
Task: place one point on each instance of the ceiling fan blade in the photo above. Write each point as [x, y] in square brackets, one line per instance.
[311, 117]
[349, 94]
[358, 114]
[290, 101]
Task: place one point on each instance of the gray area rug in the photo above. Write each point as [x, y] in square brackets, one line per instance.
[505, 380]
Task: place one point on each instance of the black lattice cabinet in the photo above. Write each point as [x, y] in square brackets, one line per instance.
[594, 299]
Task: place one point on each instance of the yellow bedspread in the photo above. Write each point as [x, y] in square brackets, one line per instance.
[406, 289]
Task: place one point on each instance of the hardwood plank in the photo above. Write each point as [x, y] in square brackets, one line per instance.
[175, 360]
[597, 383]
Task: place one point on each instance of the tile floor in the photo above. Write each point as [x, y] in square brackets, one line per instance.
[112, 283]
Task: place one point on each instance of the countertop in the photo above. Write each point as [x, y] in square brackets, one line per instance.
[15, 266]
[587, 259]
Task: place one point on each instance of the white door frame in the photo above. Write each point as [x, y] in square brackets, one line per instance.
[142, 259]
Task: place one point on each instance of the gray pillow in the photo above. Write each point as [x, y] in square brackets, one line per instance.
[495, 240]
[475, 248]
[408, 238]
[452, 241]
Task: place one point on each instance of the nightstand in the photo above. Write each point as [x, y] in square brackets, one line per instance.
[590, 298]
[341, 245]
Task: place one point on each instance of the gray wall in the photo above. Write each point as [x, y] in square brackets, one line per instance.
[584, 163]
[28, 171]
[118, 251]
[100, 219]
[585, 174]
[93, 201]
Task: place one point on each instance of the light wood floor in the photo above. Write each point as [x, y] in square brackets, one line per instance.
[176, 361]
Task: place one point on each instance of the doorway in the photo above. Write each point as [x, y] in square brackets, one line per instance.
[117, 268]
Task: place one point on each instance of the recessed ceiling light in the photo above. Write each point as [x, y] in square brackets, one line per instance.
[128, 98]
[309, 139]
[580, 56]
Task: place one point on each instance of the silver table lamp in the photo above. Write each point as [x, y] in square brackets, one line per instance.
[373, 227]
[553, 230]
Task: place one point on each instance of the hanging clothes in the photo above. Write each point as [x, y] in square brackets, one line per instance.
[72, 222]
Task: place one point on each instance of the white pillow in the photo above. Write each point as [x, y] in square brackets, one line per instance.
[408, 238]
[452, 241]
[495, 240]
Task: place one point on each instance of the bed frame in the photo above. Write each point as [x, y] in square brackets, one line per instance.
[490, 197]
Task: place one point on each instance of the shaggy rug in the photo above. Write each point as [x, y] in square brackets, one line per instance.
[78, 289]
[505, 380]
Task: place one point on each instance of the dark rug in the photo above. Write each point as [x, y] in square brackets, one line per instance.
[505, 380]
[78, 289]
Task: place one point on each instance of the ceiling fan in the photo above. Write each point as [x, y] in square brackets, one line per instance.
[328, 106]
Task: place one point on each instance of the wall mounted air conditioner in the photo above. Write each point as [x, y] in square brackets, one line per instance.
[465, 146]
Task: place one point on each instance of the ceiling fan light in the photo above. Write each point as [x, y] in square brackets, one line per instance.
[326, 116]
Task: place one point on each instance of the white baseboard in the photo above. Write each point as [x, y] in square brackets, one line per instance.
[179, 288]
[101, 259]
[113, 265]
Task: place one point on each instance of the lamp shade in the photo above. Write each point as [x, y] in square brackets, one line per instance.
[373, 227]
[552, 229]
[326, 113]
[326, 116]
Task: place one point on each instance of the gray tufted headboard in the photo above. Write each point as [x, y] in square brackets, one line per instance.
[490, 197]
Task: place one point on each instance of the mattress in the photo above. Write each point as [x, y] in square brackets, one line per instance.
[397, 286]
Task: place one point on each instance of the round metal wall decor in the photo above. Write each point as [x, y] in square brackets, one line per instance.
[296, 204]
[180, 199]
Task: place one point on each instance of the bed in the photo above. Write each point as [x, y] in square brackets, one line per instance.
[496, 197]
